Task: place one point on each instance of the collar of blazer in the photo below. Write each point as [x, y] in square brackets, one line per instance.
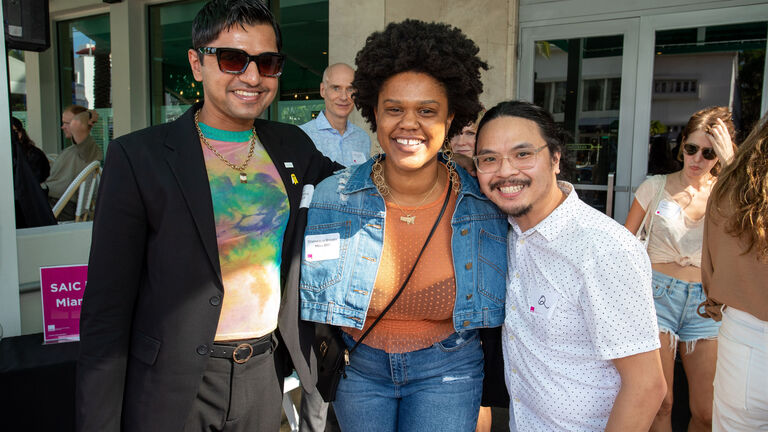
[185, 158]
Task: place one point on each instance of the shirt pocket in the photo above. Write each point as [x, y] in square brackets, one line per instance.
[492, 278]
[320, 272]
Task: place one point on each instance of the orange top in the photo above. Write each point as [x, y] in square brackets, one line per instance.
[423, 314]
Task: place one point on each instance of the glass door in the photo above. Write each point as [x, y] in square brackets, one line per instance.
[693, 60]
[584, 75]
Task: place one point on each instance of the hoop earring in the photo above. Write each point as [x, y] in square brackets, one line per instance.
[378, 176]
[451, 165]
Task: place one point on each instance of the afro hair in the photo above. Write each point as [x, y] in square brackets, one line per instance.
[436, 49]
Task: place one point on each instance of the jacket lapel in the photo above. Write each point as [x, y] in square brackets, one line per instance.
[185, 157]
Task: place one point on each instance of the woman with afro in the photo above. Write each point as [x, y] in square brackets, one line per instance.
[421, 366]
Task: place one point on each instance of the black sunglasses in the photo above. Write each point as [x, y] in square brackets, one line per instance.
[706, 153]
[235, 61]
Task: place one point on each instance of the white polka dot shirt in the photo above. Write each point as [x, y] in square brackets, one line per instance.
[578, 296]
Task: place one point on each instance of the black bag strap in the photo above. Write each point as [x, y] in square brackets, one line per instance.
[389, 306]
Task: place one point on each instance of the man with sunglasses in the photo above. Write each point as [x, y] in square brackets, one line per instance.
[331, 131]
[580, 337]
[190, 319]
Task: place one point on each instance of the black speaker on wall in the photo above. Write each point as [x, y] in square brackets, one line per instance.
[26, 25]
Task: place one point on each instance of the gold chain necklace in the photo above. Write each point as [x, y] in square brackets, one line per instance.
[382, 186]
[239, 168]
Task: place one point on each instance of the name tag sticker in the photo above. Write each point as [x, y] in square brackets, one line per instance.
[667, 209]
[289, 164]
[306, 195]
[542, 303]
[358, 157]
[322, 247]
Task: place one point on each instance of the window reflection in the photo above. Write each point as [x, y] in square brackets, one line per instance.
[699, 67]
[85, 71]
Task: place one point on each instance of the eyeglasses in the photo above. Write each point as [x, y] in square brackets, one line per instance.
[520, 159]
[706, 153]
[235, 61]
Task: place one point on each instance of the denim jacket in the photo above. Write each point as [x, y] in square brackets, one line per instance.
[348, 211]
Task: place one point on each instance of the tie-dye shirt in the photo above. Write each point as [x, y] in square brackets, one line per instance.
[250, 223]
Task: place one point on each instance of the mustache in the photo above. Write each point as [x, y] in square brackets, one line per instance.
[510, 182]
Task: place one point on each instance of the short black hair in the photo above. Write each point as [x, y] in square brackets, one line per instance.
[553, 135]
[436, 49]
[219, 15]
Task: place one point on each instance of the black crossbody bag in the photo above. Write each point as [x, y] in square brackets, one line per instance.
[332, 352]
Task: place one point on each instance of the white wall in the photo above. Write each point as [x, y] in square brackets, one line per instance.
[9, 293]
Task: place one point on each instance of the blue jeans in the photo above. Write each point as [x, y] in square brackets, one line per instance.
[432, 389]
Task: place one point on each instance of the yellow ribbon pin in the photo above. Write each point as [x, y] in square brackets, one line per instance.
[294, 179]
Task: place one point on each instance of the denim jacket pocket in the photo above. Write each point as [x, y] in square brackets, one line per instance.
[492, 278]
[318, 275]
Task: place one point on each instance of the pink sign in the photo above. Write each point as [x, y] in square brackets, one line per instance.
[61, 289]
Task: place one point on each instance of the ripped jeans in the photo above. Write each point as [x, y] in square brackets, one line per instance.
[676, 303]
[432, 389]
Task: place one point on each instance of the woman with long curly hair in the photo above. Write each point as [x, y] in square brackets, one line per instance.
[734, 269]
[421, 365]
[675, 205]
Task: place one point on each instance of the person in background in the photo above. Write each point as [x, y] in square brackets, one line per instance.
[75, 122]
[464, 143]
[421, 367]
[30, 202]
[331, 131]
[677, 203]
[734, 270]
[580, 338]
[35, 157]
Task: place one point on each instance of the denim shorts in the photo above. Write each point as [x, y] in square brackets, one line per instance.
[676, 303]
[432, 389]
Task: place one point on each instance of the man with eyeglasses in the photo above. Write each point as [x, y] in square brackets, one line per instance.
[580, 336]
[190, 318]
[332, 132]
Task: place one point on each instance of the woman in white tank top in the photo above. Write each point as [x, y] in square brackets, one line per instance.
[678, 202]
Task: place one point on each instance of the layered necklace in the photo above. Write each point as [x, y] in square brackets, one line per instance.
[239, 168]
[385, 190]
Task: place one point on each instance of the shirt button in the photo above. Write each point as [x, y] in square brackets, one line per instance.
[522, 241]
[511, 337]
[469, 296]
[465, 323]
[517, 275]
[202, 350]
[517, 400]
[464, 232]
[514, 371]
[514, 308]
[214, 301]
[468, 266]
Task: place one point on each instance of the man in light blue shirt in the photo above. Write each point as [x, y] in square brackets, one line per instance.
[331, 131]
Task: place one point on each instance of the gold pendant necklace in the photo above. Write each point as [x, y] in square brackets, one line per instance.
[384, 189]
[239, 168]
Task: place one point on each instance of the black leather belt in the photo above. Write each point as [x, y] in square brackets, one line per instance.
[241, 352]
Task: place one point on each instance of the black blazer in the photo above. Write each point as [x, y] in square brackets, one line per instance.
[152, 303]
